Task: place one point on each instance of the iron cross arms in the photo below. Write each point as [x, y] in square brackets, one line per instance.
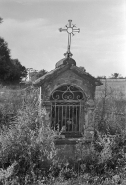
[70, 29]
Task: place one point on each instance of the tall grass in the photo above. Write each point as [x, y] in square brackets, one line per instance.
[28, 154]
[26, 140]
[110, 113]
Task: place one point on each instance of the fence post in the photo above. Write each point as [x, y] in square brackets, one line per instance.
[89, 126]
[40, 100]
[124, 128]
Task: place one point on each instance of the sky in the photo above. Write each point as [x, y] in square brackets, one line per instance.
[31, 29]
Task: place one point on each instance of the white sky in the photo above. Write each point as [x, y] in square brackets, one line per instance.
[30, 28]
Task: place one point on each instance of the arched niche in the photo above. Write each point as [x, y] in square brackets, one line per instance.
[67, 108]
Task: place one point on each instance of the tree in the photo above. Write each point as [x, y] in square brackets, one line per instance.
[4, 51]
[116, 75]
[18, 71]
[35, 75]
[10, 69]
[41, 73]
[1, 20]
[5, 64]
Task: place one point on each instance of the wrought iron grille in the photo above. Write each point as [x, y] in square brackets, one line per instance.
[67, 109]
[67, 92]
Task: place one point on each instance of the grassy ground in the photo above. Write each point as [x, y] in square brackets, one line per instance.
[28, 154]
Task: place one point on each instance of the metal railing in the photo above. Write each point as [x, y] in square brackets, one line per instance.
[67, 116]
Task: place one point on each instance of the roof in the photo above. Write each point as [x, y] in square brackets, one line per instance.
[65, 61]
[62, 68]
[52, 74]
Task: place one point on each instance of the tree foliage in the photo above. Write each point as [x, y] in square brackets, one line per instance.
[113, 76]
[1, 20]
[18, 71]
[35, 75]
[41, 73]
[11, 70]
[116, 75]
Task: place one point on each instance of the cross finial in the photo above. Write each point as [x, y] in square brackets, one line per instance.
[70, 29]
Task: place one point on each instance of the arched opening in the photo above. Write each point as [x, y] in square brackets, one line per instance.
[67, 108]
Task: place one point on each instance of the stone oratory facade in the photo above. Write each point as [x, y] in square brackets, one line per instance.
[68, 92]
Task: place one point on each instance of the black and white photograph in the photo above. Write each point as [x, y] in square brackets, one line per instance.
[62, 92]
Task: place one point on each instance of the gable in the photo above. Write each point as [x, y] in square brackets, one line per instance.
[50, 75]
[68, 77]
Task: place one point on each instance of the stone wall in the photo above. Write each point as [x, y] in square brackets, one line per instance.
[69, 77]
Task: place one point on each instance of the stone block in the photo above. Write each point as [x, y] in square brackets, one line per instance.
[89, 135]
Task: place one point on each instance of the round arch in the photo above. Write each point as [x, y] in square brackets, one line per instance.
[67, 108]
[67, 92]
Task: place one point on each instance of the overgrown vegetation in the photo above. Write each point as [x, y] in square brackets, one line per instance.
[37, 74]
[26, 142]
[28, 154]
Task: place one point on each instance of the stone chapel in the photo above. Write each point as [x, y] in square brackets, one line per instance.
[67, 93]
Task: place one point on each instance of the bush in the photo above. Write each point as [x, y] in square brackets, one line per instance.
[28, 154]
[28, 142]
[10, 102]
[109, 114]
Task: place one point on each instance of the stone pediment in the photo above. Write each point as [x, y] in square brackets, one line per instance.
[68, 93]
[62, 69]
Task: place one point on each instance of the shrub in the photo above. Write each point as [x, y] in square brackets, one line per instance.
[109, 114]
[28, 141]
[28, 154]
[10, 102]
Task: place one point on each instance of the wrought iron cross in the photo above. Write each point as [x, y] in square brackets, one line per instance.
[70, 29]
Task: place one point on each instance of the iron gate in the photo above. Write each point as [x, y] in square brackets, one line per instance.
[67, 116]
[67, 108]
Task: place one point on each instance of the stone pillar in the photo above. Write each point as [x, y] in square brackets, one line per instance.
[89, 120]
[47, 117]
